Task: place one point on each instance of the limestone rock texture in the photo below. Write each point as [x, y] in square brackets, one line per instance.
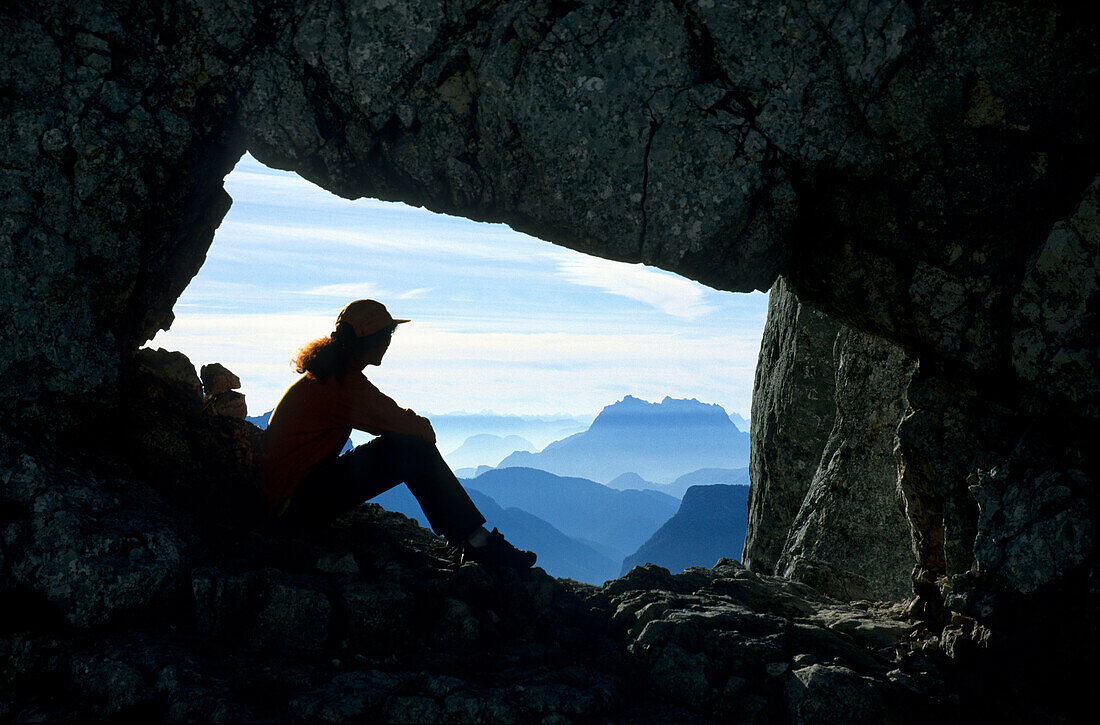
[923, 172]
[825, 507]
[852, 516]
[793, 409]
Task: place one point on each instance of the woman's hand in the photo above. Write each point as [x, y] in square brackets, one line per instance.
[428, 433]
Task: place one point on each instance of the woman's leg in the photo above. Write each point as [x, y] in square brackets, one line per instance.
[367, 470]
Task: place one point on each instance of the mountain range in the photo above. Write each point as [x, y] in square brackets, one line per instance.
[615, 523]
[710, 524]
[658, 441]
[486, 449]
[453, 429]
[740, 421]
[702, 477]
[579, 528]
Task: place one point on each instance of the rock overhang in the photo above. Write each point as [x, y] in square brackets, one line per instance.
[882, 157]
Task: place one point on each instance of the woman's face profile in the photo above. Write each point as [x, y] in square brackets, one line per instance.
[373, 353]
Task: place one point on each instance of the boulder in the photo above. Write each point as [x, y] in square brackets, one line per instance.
[230, 404]
[824, 504]
[219, 387]
[91, 549]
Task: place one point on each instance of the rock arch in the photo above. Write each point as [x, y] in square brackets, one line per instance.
[899, 167]
[921, 171]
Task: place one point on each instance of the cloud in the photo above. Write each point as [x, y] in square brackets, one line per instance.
[492, 242]
[663, 291]
[347, 290]
[433, 367]
[363, 290]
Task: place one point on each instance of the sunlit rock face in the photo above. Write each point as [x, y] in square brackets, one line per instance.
[852, 516]
[824, 505]
[793, 409]
[920, 171]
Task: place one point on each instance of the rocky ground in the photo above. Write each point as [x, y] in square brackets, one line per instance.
[128, 607]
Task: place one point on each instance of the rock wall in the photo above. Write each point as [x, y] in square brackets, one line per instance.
[793, 409]
[824, 504]
[117, 138]
[886, 181]
[852, 516]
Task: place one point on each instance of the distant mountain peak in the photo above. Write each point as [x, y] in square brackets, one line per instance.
[658, 441]
[627, 480]
[670, 411]
[668, 402]
[668, 399]
[710, 524]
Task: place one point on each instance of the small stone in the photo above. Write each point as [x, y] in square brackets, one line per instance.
[54, 141]
[556, 718]
[734, 686]
[774, 669]
[230, 403]
[294, 618]
[216, 378]
[377, 615]
[92, 42]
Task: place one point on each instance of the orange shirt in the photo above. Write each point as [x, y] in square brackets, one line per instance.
[315, 417]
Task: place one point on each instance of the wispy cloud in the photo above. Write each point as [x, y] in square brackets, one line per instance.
[664, 291]
[363, 290]
[347, 290]
[433, 367]
[495, 243]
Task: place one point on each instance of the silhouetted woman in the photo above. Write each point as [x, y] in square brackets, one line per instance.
[306, 480]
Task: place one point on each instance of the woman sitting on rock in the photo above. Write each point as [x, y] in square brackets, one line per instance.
[306, 480]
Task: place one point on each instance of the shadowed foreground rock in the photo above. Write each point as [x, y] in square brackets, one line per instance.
[141, 584]
[373, 619]
[924, 172]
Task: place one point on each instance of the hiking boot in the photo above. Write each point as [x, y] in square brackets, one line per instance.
[499, 554]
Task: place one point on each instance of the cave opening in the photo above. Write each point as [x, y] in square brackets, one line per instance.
[503, 321]
[513, 338]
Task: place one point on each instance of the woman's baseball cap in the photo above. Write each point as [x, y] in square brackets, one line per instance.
[367, 317]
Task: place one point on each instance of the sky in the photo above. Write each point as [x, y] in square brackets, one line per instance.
[501, 321]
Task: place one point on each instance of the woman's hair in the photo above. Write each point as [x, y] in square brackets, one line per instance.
[331, 355]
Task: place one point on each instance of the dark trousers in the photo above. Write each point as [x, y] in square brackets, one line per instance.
[341, 482]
